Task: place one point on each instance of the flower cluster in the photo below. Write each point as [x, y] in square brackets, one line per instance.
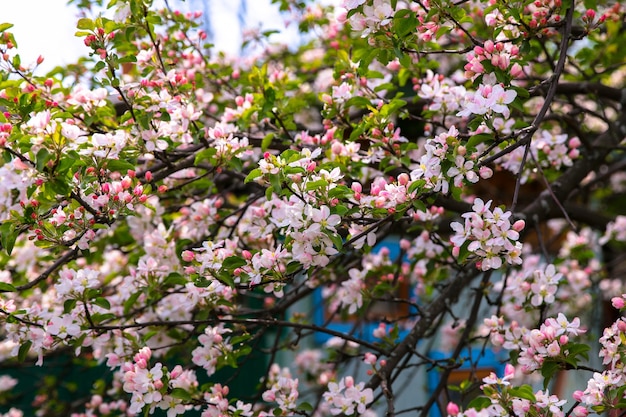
[550, 342]
[218, 405]
[488, 235]
[148, 386]
[212, 347]
[347, 398]
[281, 389]
[373, 17]
[506, 399]
[603, 387]
[615, 230]
[549, 150]
[498, 54]
[489, 99]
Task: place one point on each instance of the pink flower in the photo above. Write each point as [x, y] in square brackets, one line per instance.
[452, 409]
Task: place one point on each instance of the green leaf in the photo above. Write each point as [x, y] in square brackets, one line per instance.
[477, 139]
[575, 349]
[99, 318]
[227, 279]
[119, 165]
[525, 391]
[276, 182]
[589, 4]
[8, 236]
[305, 407]
[175, 279]
[337, 240]
[102, 302]
[255, 173]
[312, 185]
[69, 305]
[267, 141]
[6, 287]
[24, 348]
[85, 24]
[359, 101]
[60, 187]
[130, 303]
[233, 262]
[479, 403]
[5, 26]
[205, 155]
[181, 394]
[548, 369]
[404, 25]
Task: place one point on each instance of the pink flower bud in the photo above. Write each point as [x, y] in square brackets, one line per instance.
[580, 411]
[96, 400]
[574, 142]
[618, 302]
[403, 179]
[176, 372]
[126, 183]
[516, 70]
[489, 46]
[188, 256]
[509, 370]
[393, 65]
[485, 172]
[578, 395]
[269, 396]
[519, 225]
[452, 409]
[370, 358]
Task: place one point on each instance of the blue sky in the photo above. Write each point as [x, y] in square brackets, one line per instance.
[46, 27]
[43, 27]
